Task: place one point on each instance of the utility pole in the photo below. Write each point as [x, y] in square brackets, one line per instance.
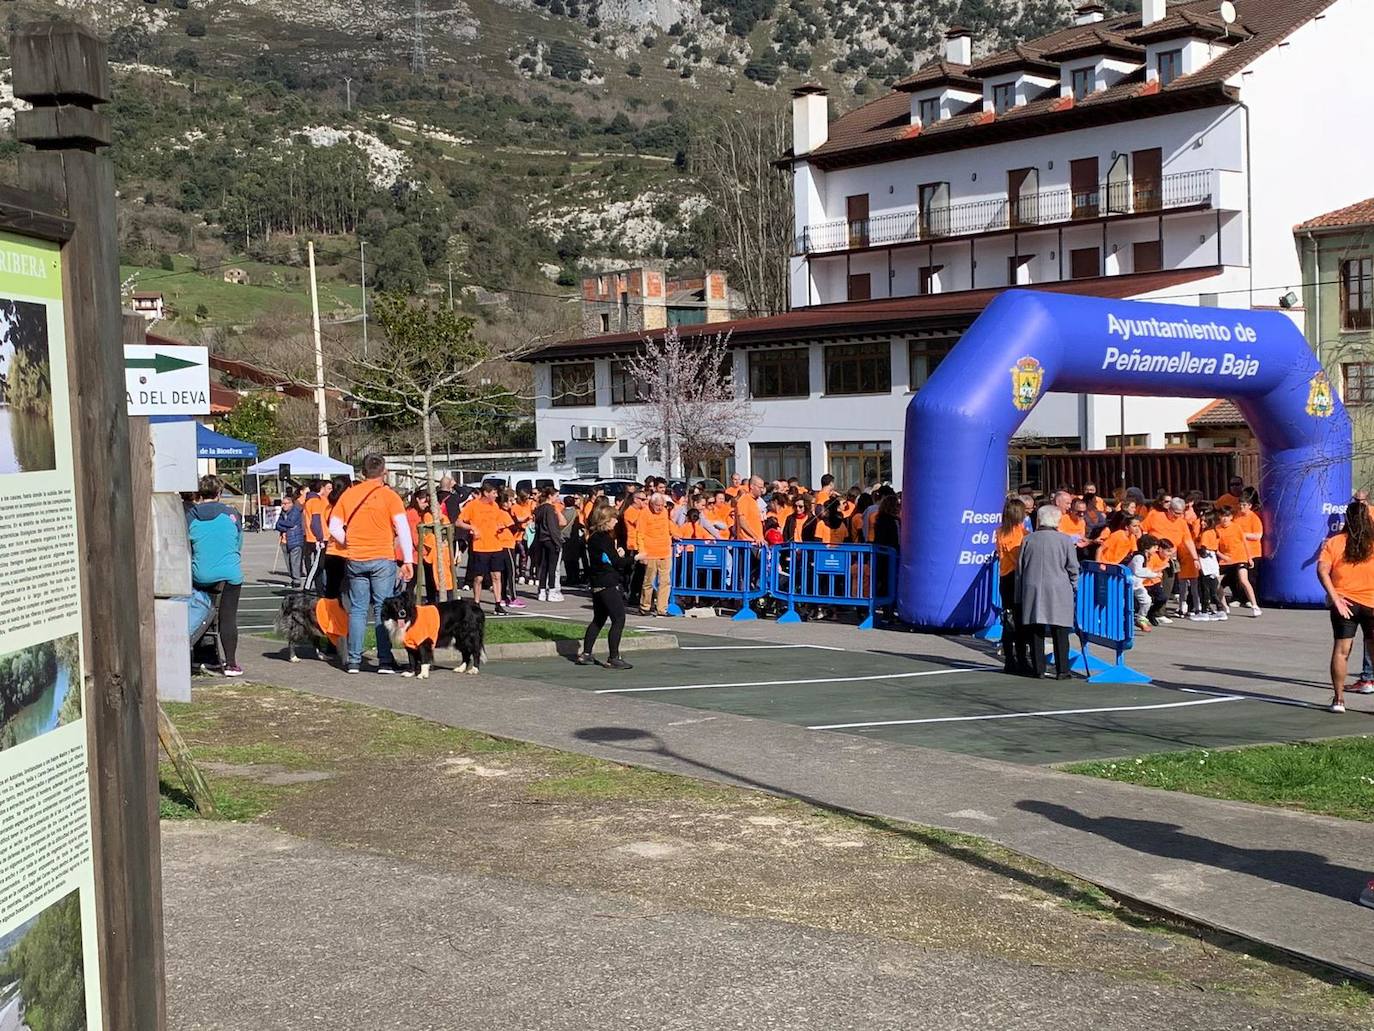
[362, 264]
[323, 420]
[348, 93]
[450, 286]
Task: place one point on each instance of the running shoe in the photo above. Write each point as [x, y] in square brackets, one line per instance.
[233, 671]
[1256, 611]
[543, 595]
[1197, 617]
[1221, 616]
[1336, 707]
[1362, 687]
[584, 660]
[386, 671]
[555, 596]
[516, 603]
[618, 663]
[1165, 620]
[500, 610]
[352, 669]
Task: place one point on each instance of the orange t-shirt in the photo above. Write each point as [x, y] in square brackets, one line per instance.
[733, 492]
[1155, 561]
[425, 627]
[723, 513]
[631, 517]
[315, 506]
[368, 511]
[1229, 501]
[1354, 581]
[1249, 522]
[1159, 524]
[1231, 545]
[1209, 540]
[655, 534]
[748, 521]
[1072, 526]
[522, 510]
[823, 495]
[487, 520]
[332, 617]
[691, 532]
[1009, 548]
[1116, 548]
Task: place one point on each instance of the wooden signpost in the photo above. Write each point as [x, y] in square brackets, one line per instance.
[68, 182]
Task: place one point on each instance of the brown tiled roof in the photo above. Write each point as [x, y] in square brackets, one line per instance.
[1019, 57]
[1221, 412]
[939, 73]
[1358, 214]
[881, 130]
[1095, 40]
[1185, 22]
[954, 309]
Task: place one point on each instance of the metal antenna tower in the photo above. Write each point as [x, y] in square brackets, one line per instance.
[417, 54]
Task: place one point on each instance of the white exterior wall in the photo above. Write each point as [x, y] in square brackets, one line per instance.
[1209, 140]
[1310, 148]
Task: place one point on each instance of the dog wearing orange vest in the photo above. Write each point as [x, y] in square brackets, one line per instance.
[457, 624]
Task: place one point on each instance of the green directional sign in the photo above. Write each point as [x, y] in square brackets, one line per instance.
[159, 363]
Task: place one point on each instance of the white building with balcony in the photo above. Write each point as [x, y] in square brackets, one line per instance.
[1162, 155]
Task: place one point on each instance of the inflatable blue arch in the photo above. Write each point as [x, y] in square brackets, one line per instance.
[1027, 343]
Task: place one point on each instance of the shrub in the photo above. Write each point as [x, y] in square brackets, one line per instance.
[195, 28]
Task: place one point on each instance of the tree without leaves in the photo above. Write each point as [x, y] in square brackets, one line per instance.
[750, 221]
[689, 400]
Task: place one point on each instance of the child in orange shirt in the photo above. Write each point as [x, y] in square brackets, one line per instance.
[1209, 571]
[1235, 556]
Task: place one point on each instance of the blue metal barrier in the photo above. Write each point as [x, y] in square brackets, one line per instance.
[832, 575]
[730, 570]
[993, 631]
[1104, 614]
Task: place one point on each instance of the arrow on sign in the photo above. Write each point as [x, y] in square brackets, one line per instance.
[159, 363]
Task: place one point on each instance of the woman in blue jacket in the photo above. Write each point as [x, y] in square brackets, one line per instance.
[216, 534]
[291, 526]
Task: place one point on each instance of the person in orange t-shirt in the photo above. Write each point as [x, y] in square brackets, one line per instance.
[1248, 519]
[436, 561]
[1119, 545]
[736, 487]
[1233, 552]
[484, 518]
[368, 523]
[1231, 499]
[522, 508]
[1169, 523]
[1007, 539]
[655, 554]
[315, 516]
[748, 516]
[721, 514]
[1345, 568]
[827, 490]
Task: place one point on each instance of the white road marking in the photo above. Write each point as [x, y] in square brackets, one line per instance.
[1296, 703]
[1025, 715]
[753, 647]
[783, 683]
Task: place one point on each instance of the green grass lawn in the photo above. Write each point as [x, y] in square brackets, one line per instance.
[270, 287]
[523, 631]
[1335, 778]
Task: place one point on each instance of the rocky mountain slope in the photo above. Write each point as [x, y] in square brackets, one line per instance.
[507, 142]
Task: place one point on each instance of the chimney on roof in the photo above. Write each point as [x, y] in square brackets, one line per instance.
[1089, 13]
[959, 45]
[810, 118]
[1151, 11]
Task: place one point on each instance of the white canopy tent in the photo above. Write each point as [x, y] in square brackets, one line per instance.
[303, 462]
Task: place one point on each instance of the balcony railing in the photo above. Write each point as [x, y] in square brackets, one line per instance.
[1029, 211]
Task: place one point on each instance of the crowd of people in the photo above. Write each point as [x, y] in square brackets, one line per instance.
[359, 541]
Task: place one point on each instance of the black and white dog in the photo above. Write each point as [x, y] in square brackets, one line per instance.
[299, 622]
[459, 624]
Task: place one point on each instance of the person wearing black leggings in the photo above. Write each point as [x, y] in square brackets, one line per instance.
[608, 568]
[548, 543]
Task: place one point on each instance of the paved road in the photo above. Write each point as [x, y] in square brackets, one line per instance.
[334, 939]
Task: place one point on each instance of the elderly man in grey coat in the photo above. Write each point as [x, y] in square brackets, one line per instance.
[1047, 577]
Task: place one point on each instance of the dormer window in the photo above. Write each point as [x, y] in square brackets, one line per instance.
[1169, 65]
[1003, 97]
[1082, 82]
[929, 110]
